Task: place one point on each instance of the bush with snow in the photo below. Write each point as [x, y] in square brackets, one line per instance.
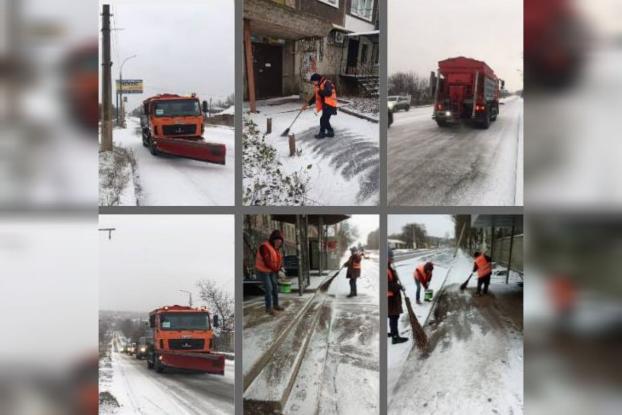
[265, 183]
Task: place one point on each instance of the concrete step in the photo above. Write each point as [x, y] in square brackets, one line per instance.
[269, 390]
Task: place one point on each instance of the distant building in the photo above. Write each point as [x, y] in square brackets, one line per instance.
[397, 244]
[288, 40]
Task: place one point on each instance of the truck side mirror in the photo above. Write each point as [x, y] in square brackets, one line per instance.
[216, 321]
[502, 84]
[432, 82]
[204, 104]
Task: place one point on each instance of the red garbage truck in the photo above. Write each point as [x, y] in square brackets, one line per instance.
[465, 89]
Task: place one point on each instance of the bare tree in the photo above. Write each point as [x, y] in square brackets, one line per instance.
[219, 301]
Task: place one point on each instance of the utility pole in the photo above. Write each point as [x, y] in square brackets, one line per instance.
[106, 123]
[109, 230]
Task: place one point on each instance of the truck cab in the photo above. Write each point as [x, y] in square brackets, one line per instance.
[172, 115]
[182, 339]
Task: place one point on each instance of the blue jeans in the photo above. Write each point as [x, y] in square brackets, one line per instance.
[418, 289]
[270, 288]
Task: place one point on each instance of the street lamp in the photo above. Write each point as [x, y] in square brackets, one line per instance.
[120, 91]
[189, 296]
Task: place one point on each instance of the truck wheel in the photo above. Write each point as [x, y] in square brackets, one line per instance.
[486, 123]
[408, 108]
[159, 367]
[149, 363]
[152, 147]
[145, 139]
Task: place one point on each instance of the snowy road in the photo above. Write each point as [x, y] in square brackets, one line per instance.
[474, 361]
[166, 180]
[456, 166]
[142, 391]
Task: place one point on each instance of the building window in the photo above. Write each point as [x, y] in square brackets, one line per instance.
[363, 9]
[334, 3]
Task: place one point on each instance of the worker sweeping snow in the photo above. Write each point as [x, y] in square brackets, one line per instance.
[354, 270]
[325, 99]
[268, 263]
[483, 266]
[422, 276]
[395, 302]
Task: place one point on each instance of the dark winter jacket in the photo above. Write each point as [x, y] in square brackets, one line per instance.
[354, 266]
[394, 293]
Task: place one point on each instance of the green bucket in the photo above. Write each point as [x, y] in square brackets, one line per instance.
[285, 287]
[428, 295]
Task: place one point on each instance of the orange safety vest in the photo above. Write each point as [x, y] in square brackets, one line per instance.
[275, 259]
[421, 275]
[330, 101]
[390, 277]
[356, 264]
[483, 267]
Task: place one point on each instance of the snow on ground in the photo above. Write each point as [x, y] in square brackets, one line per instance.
[228, 111]
[167, 180]
[345, 169]
[458, 165]
[140, 391]
[340, 371]
[474, 362]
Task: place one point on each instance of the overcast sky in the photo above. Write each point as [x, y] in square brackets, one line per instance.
[151, 257]
[365, 224]
[436, 225]
[181, 46]
[422, 32]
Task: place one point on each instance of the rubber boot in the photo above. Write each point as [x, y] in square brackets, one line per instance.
[320, 135]
[397, 339]
[278, 308]
[271, 312]
[330, 133]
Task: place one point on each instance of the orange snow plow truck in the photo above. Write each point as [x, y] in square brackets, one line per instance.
[465, 89]
[174, 124]
[182, 339]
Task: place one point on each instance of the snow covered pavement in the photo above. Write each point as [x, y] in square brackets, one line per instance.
[474, 362]
[345, 169]
[340, 371]
[139, 390]
[456, 166]
[172, 181]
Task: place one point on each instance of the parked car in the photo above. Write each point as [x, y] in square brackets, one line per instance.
[398, 102]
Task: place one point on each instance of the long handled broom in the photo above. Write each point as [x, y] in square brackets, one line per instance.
[464, 284]
[286, 132]
[419, 335]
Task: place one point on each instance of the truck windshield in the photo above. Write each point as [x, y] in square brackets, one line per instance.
[184, 321]
[177, 108]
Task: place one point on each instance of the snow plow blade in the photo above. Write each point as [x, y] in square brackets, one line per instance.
[193, 149]
[203, 362]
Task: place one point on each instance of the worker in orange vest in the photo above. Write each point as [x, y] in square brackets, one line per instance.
[394, 295]
[423, 276]
[268, 262]
[483, 266]
[325, 99]
[354, 270]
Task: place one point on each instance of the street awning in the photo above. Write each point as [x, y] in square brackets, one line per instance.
[369, 33]
[499, 221]
[270, 19]
[313, 219]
